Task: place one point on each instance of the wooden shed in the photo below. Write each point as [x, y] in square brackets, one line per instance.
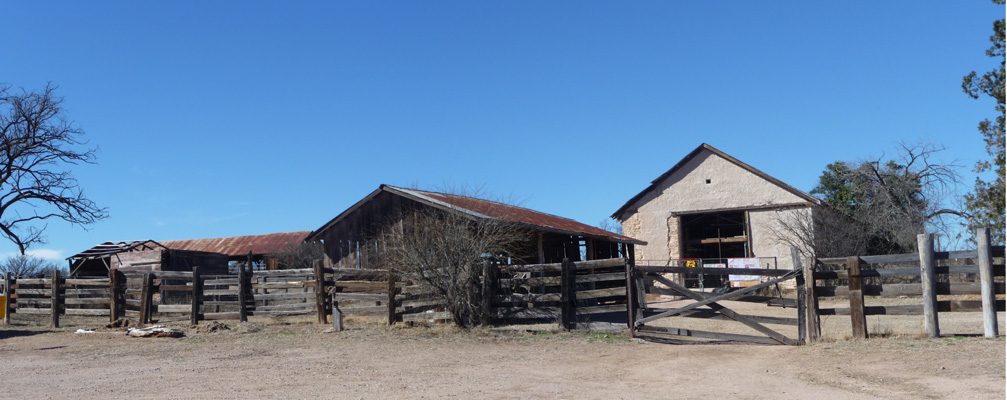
[143, 255]
[350, 239]
[212, 255]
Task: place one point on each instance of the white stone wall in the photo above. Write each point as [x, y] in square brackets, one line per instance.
[768, 239]
[730, 187]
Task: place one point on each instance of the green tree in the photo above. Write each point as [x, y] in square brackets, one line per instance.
[985, 203]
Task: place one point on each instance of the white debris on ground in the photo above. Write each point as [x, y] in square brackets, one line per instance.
[156, 331]
[83, 331]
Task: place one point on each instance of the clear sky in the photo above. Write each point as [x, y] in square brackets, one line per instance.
[233, 118]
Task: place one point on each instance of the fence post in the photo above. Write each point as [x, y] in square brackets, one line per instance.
[197, 296]
[337, 315]
[630, 297]
[857, 316]
[9, 306]
[145, 298]
[243, 290]
[802, 316]
[488, 286]
[54, 298]
[928, 278]
[391, 297]
[319, 291]
[566, 294]
[112, 283]
[811, 302]
[990, 328]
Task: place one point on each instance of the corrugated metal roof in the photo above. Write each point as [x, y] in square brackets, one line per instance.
[108, 248]
[491, 209]
[240, 245]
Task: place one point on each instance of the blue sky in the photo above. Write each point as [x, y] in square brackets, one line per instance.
[230, 118]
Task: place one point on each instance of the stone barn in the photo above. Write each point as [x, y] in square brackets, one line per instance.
[714, 207]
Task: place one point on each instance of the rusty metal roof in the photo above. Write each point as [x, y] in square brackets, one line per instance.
[230, 246]
[490, 209]
[240, 245]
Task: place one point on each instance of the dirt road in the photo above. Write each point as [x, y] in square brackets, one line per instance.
[300, 360]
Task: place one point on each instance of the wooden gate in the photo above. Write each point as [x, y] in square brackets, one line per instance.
[654, 280]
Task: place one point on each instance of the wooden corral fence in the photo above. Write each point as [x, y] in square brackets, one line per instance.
[569, 293]
[643, 316]
[56, 296]
[865, 276]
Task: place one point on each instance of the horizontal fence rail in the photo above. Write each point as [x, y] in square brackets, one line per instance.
[569, 293]
[874, 276]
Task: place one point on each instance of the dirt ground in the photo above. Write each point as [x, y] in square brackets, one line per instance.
[301, 360]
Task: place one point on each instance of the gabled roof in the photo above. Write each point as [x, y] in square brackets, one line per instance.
[480, 208]
[693, 154]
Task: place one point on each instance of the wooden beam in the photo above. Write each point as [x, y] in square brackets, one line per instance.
[9, 304]
[319, 292]
[145, 298]
[855, 282]
[802, 316]
[813, 320]
[55, 305]
[197, 295]
[391, 298]
[566, 295]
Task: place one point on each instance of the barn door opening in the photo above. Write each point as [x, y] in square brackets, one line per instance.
[712, 236]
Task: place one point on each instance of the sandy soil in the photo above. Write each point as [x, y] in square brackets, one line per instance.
[277, 359]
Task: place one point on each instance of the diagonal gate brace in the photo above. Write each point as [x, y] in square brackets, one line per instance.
[727, 312]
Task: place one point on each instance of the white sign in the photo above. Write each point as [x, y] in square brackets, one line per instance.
[746, 263]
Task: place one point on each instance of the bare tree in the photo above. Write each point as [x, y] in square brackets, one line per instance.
[445, 249]
[879, 205]
[25, 265]
[37, 144]
[299, 255]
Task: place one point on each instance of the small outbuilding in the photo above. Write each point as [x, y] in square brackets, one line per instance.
[212, 256]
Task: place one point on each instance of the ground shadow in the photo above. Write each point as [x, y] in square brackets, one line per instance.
[688, 342]
[12, 333]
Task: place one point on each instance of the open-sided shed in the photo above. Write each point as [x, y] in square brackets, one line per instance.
[350, 239]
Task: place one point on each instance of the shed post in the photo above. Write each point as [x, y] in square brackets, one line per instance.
[54, 298]
[145, 297]
[243, 289]
[9, 305]
[857, 316]
[197, 296]
[928, 278]
[990, 328]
